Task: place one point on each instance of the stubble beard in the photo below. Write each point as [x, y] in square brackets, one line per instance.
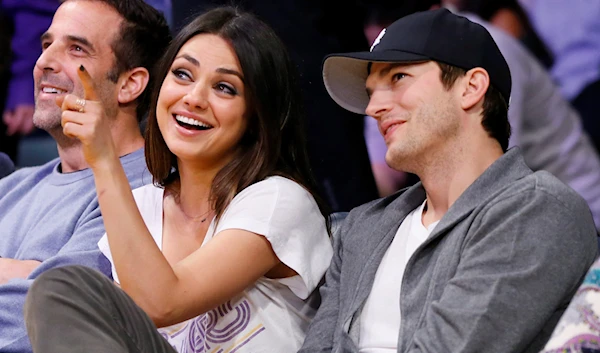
[420, 147]
[47, 116]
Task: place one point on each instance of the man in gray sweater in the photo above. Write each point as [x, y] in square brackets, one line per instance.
[482, 255]
[49, 215]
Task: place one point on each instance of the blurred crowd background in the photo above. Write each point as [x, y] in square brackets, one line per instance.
[562, 37]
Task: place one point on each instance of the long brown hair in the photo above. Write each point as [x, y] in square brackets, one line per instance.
[274, 143]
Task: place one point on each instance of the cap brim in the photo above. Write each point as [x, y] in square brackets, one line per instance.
[345, 75]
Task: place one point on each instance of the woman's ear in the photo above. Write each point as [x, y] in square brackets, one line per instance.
[476, 83]
[133, 83]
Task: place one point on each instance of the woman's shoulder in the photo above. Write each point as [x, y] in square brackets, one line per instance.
[148, 194]
[274, 195]
[277, 184]
[276, 190]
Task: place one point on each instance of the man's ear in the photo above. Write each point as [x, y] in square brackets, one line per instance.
[476, 83]
[132, 84]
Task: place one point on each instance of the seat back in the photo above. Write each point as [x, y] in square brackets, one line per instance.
[6, 165]
[336, 220]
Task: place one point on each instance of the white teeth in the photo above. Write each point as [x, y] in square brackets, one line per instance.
[53, 90]
[189, 121]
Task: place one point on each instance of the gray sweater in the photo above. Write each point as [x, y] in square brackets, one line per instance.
[495, 274]
[53, 218]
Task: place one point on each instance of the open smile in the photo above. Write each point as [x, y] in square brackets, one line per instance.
[191, 124]
[47, 90]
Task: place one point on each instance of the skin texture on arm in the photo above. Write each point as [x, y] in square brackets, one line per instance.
[11, 269]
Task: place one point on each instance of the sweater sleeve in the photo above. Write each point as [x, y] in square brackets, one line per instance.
[81, 249]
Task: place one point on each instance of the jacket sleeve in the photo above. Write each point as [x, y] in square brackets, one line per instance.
[320, 335]
[81, 249]
[524, 258]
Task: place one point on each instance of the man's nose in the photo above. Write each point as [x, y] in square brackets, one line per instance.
[49, 59]
[379, 104]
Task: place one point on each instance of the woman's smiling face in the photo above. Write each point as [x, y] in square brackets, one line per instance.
[202, 110]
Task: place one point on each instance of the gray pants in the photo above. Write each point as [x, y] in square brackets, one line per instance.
[77, 309]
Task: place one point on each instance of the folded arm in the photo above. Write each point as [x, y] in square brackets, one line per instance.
[81, 249]
[11, 269]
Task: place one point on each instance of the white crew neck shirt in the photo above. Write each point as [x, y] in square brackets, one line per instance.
[381, 318]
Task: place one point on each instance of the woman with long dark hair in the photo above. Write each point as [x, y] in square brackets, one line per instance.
[224, 252]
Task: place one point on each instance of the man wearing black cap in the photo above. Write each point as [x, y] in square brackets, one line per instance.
[482, 255]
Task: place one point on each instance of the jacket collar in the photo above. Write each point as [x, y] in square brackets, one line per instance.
[504, 171]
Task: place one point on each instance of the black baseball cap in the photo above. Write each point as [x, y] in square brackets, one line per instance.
[437, 35]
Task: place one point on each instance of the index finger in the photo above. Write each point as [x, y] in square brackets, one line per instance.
[89, 91]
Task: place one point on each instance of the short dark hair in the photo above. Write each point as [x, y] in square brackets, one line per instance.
[495, 108]
[143, 36]
[274, 142]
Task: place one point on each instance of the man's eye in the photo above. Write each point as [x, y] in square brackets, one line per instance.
[78, 49]
[398, 76]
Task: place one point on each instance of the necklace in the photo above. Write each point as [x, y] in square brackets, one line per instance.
[204, 216]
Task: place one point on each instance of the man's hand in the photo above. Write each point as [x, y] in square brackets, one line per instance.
[11, 269]
[19, 121]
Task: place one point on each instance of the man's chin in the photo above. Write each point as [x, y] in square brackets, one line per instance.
[47, 122]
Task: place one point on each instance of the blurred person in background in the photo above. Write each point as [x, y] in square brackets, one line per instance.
[509, 16]
[571, 30]
[8, 144]
[27, 20]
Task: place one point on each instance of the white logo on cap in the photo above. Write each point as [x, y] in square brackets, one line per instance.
[378, 39]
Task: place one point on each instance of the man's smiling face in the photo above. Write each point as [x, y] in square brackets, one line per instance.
[81, 33]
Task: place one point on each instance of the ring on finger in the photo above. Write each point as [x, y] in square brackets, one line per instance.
[80, 102]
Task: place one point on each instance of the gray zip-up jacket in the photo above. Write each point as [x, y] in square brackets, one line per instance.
[495, 274]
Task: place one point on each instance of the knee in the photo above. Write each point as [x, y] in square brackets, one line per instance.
[58, 285]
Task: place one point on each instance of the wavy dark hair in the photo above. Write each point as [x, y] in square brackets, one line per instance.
[274, 142]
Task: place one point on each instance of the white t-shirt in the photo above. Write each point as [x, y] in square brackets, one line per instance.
[380, 318]
[273, 314]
